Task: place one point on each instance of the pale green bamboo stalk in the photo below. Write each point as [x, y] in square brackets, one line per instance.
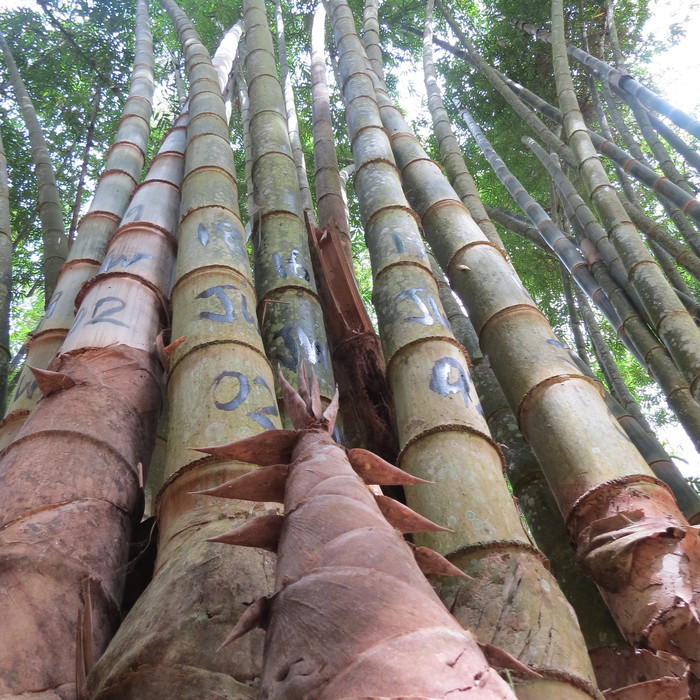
[115, 186]
[370, 36]
[5, 277]
[329, 188]
[220, 389]
[535, 499]
[451, 154]
[55, 243]
[420, 349]
[288, 303]
[292, 120]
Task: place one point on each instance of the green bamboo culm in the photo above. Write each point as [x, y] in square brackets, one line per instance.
[288, 305]
[220, 389]
[439, 420]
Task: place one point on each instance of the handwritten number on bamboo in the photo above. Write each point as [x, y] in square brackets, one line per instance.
[52, 305]
[230, 235]
[297, 343]
[123, 260]
[103, 314]
[440, 379]
[260, 416]
[425, 307]
[229, 314]
[292, 265]
[133, 214]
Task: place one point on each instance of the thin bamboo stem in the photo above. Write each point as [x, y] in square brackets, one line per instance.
[5, 277]
[450, 152]
[84, 166]
[55, 243]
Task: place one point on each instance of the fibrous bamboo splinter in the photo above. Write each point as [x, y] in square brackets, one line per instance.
[352, 615]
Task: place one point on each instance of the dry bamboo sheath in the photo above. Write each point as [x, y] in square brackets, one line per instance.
[440, 425]
[114, 189]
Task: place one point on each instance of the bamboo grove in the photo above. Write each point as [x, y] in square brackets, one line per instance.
[364, 382]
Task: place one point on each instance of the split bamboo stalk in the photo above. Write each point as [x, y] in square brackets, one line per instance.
[450, 152]
[525, 475]
[656, 357]
[55, 243]
[115, 187]
[74, 472]
[292, 120]
[288, 303]
[439, 420]
[358, 363]
[220, 389]
[623, 81]
[5, 277]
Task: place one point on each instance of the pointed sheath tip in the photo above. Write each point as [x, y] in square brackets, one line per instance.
[404, 519]
[431, 562]
[254, 616]
[49, 382]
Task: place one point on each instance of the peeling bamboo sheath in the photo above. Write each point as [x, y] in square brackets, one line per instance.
[422, 355]
[220, 389]
[288, 304]
[103, 393]
[352, 615]
[114, 189]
